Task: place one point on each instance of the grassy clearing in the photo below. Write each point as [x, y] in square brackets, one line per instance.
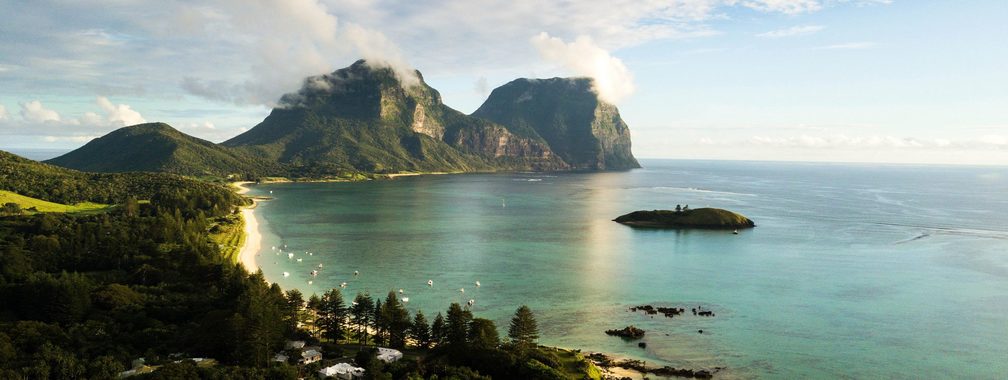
[28, 203]
[576, 366]
[229, 234]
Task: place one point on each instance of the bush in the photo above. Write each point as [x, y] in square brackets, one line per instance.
[537, 370]
[548, 358]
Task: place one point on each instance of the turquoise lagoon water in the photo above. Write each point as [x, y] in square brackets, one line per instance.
[853, 271]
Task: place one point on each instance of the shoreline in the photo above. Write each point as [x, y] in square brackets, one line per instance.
[253, 239]
[414, 174]
[252, 245]
[622, 366]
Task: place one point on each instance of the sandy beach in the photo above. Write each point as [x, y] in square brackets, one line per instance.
[397, 175]
[253, 240]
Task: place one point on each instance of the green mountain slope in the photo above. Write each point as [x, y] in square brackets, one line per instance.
[157, 147]
[587, 133]
[363, 118]
[60, 185]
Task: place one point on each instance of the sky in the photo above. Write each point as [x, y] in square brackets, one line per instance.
[891, 81]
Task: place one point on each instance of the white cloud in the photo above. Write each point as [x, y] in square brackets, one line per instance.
[3, 113]
[74, 139]
[253, 51]
[302, 38]
[612, 80]
[262, 49]
[35, 112]
[848, 46]
[51, 126]
[92, 119]
[799, 30]
[379, 50]
[119, 114]
[791, 7]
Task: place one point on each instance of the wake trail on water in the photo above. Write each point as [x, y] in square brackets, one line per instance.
[918, 237]
[692, 189]
[953, 231]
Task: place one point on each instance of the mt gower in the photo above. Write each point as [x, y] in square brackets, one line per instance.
[363, 118]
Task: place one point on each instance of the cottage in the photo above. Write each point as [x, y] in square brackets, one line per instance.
[310, 356]
[343, 371]
[295, 344]
[280, 357]
[388, 355]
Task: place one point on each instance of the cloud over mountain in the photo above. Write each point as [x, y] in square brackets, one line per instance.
[582, 57]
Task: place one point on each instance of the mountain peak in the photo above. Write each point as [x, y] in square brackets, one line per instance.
[362, 83]
[156, 147]
[587, 132]
[155, 127]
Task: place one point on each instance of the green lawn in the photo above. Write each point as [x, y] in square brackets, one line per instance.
[229, 234]
[45, 206]
[575, 364]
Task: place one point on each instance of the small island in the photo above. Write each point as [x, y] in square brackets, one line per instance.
[684, 217]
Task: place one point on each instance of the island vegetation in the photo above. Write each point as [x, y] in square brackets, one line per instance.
[685, 217]
[88, 294]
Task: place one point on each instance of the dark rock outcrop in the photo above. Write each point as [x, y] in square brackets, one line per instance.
[629, 332]
[668, 312]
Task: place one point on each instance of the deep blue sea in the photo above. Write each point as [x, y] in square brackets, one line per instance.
[853, 270]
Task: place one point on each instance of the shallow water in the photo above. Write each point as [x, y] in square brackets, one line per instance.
[853, 270]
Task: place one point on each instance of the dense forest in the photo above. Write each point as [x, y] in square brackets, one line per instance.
[61, 185]
[86, 294]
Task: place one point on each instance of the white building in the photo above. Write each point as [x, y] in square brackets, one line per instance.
[310, 356]
[342, 371]
[280, 357]
[388, 355]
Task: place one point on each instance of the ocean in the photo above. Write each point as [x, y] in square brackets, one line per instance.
[853, 270]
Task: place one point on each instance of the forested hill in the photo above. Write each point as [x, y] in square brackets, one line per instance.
[157, 147]
[84, 294]
[61, 185]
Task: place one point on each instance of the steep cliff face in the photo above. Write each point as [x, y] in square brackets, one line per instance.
[505, 148]
[587, 133]
[362, 117]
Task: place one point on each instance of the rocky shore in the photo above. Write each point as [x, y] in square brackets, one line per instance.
[639, 366]
[671, 312]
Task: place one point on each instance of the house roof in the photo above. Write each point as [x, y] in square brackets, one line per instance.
[341, 369]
